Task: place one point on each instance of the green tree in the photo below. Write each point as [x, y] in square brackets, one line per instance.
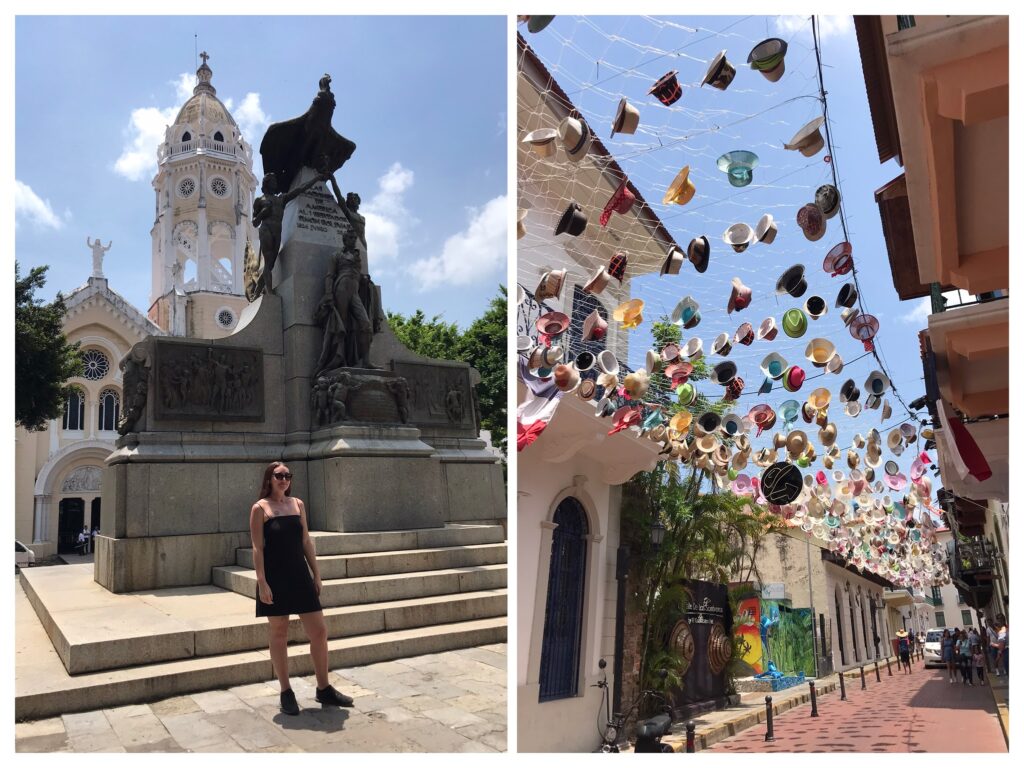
[433, 338]
[483, 346]
[44, 360]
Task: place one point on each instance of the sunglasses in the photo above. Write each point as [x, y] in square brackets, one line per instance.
[283, 475]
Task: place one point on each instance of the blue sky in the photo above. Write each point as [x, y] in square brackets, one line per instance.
[423, 98]
[599, 59]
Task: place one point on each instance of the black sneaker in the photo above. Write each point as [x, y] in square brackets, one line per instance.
[288, 703]
[329, 697]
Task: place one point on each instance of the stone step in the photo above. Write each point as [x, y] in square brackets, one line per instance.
[403, 561]
[382, 588]
[39, 696]
[451, 535]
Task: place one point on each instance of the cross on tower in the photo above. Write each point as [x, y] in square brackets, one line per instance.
[204, 56]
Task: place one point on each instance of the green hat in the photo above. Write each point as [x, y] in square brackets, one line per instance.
[794, 323]
[687, 393]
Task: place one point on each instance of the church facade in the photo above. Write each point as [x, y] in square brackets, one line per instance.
[204, 189]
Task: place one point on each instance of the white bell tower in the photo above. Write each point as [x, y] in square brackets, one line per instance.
[204, 191]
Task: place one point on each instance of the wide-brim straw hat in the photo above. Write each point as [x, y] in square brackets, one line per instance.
[680, 421]
[550, 285]
[765, 457]
[819, 398]
[796, 443]
[808, 140]
[820, 351]
[576, 137]
[636, 383]
[827, 435]
[681, 190]
[629, 313]
[653, 361]
[542, 141]
[627, 118]
[608, 380]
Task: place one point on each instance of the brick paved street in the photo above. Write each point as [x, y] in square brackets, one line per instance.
[444, 702]
[920, 712]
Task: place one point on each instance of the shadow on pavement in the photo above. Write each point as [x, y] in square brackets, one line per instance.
[940, 694]
[326, 720]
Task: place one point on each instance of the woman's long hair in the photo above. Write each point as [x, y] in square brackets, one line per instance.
[268, 483]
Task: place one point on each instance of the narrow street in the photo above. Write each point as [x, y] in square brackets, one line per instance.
[919, 712]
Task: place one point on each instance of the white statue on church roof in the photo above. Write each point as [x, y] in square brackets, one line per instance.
[97, 255]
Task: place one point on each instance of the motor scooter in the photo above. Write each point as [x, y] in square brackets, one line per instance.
[648, 733]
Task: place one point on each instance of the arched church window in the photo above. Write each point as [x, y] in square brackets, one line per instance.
[110, 409]
[186, 136]
[94, 364]
[74, 410]
[218, 136]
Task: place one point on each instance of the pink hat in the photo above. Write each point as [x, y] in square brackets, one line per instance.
[740, 297]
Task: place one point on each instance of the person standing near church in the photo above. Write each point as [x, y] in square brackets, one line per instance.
[288, 582]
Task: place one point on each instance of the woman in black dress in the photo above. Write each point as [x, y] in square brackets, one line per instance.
[282, 550]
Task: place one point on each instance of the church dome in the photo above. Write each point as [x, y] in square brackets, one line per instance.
[204, 108]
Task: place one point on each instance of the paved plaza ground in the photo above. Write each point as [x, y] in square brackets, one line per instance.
[444, 702]
[920, 712]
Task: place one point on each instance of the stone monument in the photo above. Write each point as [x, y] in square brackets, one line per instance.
[378, 437]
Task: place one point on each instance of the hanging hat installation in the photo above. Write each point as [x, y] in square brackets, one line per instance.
[673, 261]
[576, 137]
[681, 190]
[550, 285]
[594, 327]
[542, 141]
[694, 349]
[698, 252]
[808, 140]
[720, 73]
[744, 335]
[827, 199]
[598, 282]
[686, 313]
[767, 330]
[740, 297]
[667, 89]
[820, 352]
[815, 307]
[627, 118]
[629, 313]
[793, 378]
[839, 260]
[792, 282]
[811, 222]
[739, 165]
[766, 229]
[769, 58]
[864, 328]
[573, 220]
[794, 323]
[552, 323]
[847, 295]
[621, 201]
[739, 237]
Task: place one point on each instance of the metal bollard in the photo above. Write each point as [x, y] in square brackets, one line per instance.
[878, 676]
[888, 667]
[842, 686]
[691, 741]
[814, 700]
[770, 734]
[863, 682]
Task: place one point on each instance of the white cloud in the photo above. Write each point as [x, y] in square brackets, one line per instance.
[183, 87]
[28, 205]
[386, 216]
[474, 253]
[828, 26]
[252, 120]
[919, 314]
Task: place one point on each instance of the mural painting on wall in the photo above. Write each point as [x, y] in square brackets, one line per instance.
[776, 639]
[747, 624]
[705, 629]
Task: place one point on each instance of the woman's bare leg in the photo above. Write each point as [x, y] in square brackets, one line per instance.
[279, 649]
[316, 631]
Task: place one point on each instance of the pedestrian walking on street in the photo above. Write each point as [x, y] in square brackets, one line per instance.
[964, 661]
[288, 582]
[947, 652]
[978, 659]
[904, 647]
[1003, 646]
[86, 539]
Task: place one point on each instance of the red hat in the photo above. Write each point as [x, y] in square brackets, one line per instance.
[617, 266]
[620, 202]
[741, 296]
[667, 89]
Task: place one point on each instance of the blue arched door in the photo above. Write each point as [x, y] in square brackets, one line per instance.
[563, 614]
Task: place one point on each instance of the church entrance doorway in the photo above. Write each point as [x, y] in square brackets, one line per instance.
[71, 520]
[94, 514]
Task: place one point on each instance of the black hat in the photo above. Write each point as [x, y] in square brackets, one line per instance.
[847, 295]
[782, 483]
[573, 220]
[792, 282]
[698, 252]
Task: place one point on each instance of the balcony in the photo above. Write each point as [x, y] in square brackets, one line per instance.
[972, 569]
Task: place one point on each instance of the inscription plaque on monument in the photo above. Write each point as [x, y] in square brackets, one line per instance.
[208, 382]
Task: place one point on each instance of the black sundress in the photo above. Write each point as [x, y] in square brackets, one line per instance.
[284, 565]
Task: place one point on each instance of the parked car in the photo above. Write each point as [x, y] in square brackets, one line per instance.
[933, 648]
[23, 556]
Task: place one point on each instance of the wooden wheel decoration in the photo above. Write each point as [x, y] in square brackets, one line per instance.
[681, 642]
[719, 648]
